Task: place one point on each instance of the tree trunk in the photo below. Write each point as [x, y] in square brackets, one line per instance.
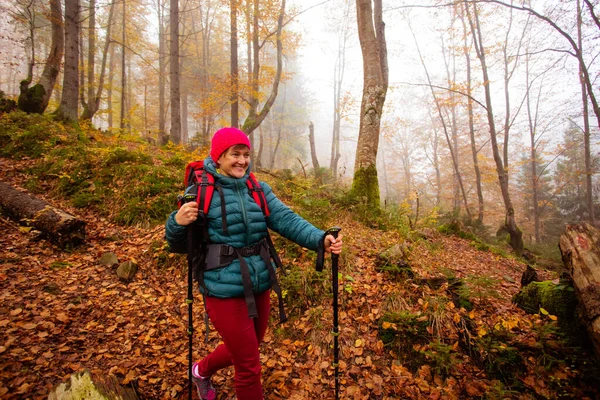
[338, 78]
[259, 153]
[255, 118]
[94, 99]
[207, 120]
[453, 139]
[67, 110]
[532, 122]
[60, 227]
[589, 198]
[123, 70]
[233, 68]
[109, 91]
[386, 183]
[436, 165]
[510, 225]
[313, 149]
[162, 72]
[174, 72]
[29, 14]
[185, 136]
[89, 106]
[467, 52]
[450, 139]
[581, 255]
[371, 33]
[36, 98]
[276, 147]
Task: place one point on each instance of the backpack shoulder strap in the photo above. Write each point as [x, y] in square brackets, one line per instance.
[257, 193]
[206, 189]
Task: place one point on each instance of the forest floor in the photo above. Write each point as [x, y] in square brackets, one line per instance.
[61, 311]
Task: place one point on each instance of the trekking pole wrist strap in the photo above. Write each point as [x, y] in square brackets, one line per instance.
[320, 262]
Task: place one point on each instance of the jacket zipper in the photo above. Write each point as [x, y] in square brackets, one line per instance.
[240, 195]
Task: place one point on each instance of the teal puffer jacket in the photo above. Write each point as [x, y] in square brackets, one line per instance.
[246, 226]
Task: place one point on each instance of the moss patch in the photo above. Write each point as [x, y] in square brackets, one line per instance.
[558, 300]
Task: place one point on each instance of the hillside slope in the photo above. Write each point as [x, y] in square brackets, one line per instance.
[401, 336]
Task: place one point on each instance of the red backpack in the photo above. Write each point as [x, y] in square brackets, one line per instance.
[196, 174]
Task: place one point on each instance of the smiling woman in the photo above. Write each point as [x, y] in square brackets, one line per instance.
[234, 260]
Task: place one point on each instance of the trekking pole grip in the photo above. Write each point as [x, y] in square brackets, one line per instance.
[334, 232]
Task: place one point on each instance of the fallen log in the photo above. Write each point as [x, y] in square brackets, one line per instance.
[580, 249]
[60, 227]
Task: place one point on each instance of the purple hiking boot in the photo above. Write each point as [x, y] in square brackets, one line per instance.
[205, 389]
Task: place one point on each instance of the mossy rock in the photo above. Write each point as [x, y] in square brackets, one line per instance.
[6, 104]
[557, 299]
[31, 100]
[108, 259]
[394, 261]
[127, 270]
[84, 386]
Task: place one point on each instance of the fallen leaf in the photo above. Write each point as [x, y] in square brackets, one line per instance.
[130, 376]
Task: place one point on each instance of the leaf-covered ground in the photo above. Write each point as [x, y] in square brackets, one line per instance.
[62, 311]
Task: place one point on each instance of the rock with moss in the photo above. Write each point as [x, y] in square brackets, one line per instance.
[6, 104]
[83, 385]
[127, 270]
[108, 259]
[557, 299]
[31, 99]
[394, 260]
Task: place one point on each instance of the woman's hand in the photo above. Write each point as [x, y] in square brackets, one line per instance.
[187, 214]
[333, 245]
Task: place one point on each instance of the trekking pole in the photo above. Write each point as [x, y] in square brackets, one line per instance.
[334, 276]
[189, 301]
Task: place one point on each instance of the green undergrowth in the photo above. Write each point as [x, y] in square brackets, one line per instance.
[432, 330]
[317, 200]
[117, 175]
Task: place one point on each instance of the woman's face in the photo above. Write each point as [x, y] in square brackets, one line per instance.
[235, 161]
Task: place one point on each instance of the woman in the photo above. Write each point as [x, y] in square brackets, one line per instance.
[241, 230]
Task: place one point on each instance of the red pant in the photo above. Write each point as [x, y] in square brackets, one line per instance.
[241, 337]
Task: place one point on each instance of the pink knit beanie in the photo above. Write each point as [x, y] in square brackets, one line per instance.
[224, 138]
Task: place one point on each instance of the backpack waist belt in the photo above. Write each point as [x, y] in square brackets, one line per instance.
[220, 255]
